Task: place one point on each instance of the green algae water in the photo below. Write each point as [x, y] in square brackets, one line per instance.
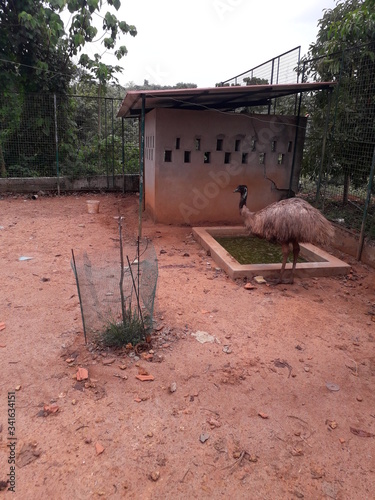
[252, 250]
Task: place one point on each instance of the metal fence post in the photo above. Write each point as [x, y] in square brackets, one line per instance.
[57, 145]
[365, 212]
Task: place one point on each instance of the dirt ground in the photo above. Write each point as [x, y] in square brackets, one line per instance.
[280, 406]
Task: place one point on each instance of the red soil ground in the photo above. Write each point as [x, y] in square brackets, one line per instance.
[253, 414]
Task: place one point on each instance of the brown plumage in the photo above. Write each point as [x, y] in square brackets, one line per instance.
[291, 221]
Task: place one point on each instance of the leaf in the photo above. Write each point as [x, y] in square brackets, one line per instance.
[110, 21]
[108, 43]
[115, 3]
[122, 51]
[361, 433]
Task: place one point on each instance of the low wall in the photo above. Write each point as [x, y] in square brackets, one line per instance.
[127, 183]
[348, 242]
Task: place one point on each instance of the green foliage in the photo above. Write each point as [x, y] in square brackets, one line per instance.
[36, 53]
[152, 86]
[255, 81]
[121, 333]
[337, 55]
[32, 37]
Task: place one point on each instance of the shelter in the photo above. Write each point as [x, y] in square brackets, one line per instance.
[196, 147]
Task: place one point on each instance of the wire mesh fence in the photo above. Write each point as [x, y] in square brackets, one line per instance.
[278, 70]
[117, 301]
[337, 170]
[46, 135]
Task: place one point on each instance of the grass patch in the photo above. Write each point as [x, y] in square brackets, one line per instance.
[121, 333]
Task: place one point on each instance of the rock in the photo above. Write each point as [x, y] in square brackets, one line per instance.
[173, 387]
[213, 422]
[107, 362]
[82, 374]
[51, 409]
[263, 415]
[28, 453]
[154, 476]
[203, 337]
[145, 378]
[99, 448]
[203, 437]
[332, 387]
[260, 280]
[249, 286]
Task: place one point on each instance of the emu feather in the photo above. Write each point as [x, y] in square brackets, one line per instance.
[290, 221]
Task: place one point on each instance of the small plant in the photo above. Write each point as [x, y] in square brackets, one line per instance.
[121, 333]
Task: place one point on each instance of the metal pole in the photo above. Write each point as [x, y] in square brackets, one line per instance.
[141, 166]
[365, 213]
[303, 75]
[295, 146]
[271, 82]
[324, 144]
[106, 141]
[113, 148]
[57, 146]
[123, 154]
[136, 293]
[123, 308]
[79, 296]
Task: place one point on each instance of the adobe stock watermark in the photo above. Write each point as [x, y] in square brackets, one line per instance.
[225, 7]
[12, 440]
[222, 178]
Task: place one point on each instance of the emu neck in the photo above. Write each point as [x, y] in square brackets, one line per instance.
[243, 201]
[248, 217]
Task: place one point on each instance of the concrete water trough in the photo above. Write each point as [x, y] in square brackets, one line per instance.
[319, 262]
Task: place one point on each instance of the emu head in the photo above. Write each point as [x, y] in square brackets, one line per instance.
[242, 189]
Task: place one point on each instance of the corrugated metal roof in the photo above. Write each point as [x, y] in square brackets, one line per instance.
[222, 98]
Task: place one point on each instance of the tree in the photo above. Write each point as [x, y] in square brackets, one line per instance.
[36, 55]
[344, 52]
[36, 51]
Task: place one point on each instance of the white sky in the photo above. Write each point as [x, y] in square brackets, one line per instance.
[208, 41]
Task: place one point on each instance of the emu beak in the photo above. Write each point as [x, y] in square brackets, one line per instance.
[236, 190]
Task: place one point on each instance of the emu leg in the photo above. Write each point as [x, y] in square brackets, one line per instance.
[296, 250]
[285, 250]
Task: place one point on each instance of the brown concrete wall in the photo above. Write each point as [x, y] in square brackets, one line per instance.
[195, 192]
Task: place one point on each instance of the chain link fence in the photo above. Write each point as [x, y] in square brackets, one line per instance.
[278, 70]
[46, 135]
[117, 294]
[338, 162]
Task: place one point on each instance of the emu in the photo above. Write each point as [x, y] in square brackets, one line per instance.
[287, 222]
